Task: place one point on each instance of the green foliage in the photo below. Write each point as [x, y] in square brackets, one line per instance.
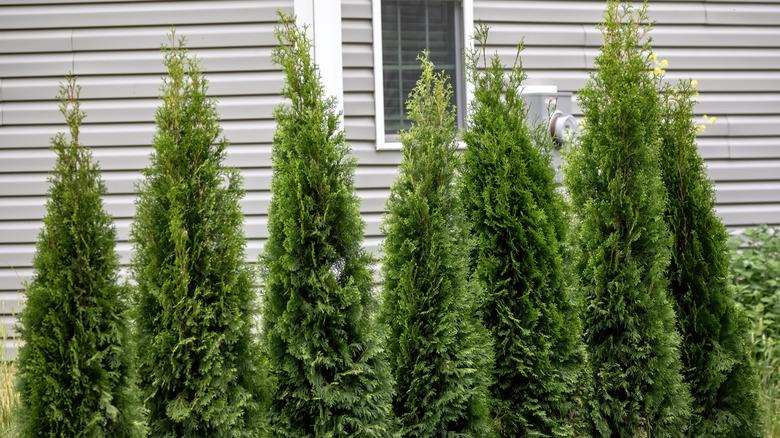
[195, 308]
[755, 265]
[517, 219]
[440, 354]
[715, 352]
[323, 344]
[614, 178]
[75, 367]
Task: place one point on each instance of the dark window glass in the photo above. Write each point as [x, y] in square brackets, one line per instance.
[409, 27]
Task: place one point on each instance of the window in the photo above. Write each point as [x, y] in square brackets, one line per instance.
[407, 28]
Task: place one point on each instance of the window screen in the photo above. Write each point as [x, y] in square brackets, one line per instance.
[408, 27]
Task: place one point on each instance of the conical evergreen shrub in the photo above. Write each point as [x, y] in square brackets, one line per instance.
[614, 178]
[517, 218]
[75, 367]
[715, 349]
[195, 309]
[440, 354]
[324, 348]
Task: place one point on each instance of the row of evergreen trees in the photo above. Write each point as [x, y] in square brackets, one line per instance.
[478, 330]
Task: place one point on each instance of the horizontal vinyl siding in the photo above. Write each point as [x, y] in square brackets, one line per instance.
[114, 48]
[732, 48]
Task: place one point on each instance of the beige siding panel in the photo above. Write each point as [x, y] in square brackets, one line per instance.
[357, 31]
[45, 41]
[126, 134]
[358, 104]
[137, 86]
[135, 38]
[141, 14]
[359, 79]
[130, 62]
[581, 58]
[735, 215]
[744, 170]
[124, 182]
[356, 9]
[131, 158]
[137, 110]
[766, 147]
[575, 34]
[748, 192]
[588, 12]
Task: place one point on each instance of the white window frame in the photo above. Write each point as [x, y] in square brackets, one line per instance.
[322, 20]
[379, 92]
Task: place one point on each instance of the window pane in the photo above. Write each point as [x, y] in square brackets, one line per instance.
[408, 27]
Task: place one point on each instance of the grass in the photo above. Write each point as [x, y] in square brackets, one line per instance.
[756, 269]
[9, 398]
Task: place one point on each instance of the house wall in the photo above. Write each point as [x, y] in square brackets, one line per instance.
[114, 48]
[731, 48]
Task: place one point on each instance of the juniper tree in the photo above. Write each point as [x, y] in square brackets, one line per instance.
[440, 354]
[75, 367]
[195, 305]
[517, 218]
[614, 178]
[715, 350]
[323, 345]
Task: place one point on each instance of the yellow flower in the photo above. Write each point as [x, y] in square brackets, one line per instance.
[653, 57]
[664, 63]
[701, 128]
[694, 83]
[658, 71]
[709, 120]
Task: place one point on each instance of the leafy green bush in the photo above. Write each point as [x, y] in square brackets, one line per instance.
[613, 175]
[324, 347]
[440, 354]
[195, 309]
[75, 366]
[517, 218]
[756, 269]
[715, 352]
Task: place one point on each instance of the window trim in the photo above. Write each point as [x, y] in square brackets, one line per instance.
[467, 15]
[323, 24]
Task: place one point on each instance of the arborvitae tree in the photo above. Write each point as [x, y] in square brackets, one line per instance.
[75, 367]
[614, 178]
[439, 352]
[517, 219]
[324, 348]
[195, 303]
[715, 348]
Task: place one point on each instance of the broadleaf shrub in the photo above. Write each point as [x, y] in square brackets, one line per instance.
[324, 347]
[613, 175]
[200, 364]
[75, 368]
[517, 218]
[440, 354]
[755, 265]
[715, 350]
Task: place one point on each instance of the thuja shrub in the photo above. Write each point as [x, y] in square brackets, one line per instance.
[715, 350]
[517, 218]
[324, 348]
[755, 265]
[614, 178]
[440, 354]
[195, 305]
[75, 366]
